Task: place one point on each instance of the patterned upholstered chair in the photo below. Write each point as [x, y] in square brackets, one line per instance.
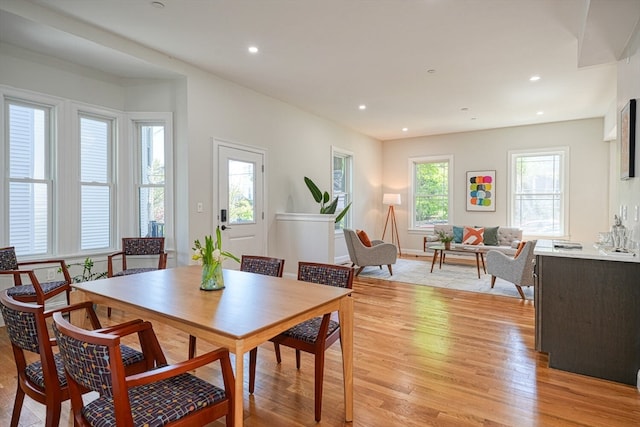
[166, 396]
[315, 335]
[136, 247]
[517, 270]
[35, 291]
[44, 379]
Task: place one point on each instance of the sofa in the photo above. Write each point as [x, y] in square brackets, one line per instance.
[503, 239]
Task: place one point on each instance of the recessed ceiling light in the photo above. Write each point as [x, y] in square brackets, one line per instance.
[464, 109]
[253, 49]
[431, 71]
[540, 113]
[534, 78]
[474, 118]
[362, 107]
[405, 129]
[157, 4]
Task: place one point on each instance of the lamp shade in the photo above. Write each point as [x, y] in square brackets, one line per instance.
[391, 199]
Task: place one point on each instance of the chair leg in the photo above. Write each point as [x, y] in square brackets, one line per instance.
[390, 270]
[493, 281]
[108, 311]
[297, 359]
[17, 407]
[53, 414]
[359, 270]
[192, 346]
[519, 288]
[276, 347]
[319, 379]
[253, 357]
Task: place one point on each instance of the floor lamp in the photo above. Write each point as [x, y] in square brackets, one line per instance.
[392, 199]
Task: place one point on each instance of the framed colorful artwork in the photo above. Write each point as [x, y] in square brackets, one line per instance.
[481, 191]
[628, 140]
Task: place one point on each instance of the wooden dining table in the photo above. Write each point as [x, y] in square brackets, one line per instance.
[250, 310]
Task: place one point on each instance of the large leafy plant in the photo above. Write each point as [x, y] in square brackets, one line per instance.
[323, 198]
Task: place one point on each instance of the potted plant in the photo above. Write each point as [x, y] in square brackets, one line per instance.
[323, 199]
[445, 238]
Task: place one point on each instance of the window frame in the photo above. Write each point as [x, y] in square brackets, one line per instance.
[64, 239]
[347, 220]
[51, 106]
[563, 175]
[135, 120]
[413, 162]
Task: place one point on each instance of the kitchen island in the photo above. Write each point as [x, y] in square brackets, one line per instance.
[588, 310]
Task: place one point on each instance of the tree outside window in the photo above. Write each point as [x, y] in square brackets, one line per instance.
[431, 191]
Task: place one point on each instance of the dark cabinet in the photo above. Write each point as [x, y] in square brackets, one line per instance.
[588, 316]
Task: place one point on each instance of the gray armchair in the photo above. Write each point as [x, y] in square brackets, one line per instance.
[518, 270]
[380, 253]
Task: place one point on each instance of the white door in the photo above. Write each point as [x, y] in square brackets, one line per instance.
[241, 201]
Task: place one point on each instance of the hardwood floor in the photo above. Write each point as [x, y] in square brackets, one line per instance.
[423, 356]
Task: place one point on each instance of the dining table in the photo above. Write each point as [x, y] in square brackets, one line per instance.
[251, 309]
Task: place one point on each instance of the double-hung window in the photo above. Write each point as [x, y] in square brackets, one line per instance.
[29, 137]
[151, 187]
[342, 184]
[96, 182]
[431, 191]
[538, 201]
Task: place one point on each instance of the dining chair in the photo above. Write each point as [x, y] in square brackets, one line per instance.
[254, 264]
[166, 396]
[34, 291]
[314, 335]
[136, 247]
[43, 379]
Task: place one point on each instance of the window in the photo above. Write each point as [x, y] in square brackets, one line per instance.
[30, 181]
[538, 204]
[96, 140]
[242, 192]
[342, 187]
[63, 190]
[431, 191]
[151, 190]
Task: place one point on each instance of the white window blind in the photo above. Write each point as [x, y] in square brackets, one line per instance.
[95, 182]
[29, 177]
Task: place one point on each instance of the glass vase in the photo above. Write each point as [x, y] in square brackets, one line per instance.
[212, 278]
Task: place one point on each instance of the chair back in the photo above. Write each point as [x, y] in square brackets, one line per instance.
[27, 329]
[349, 239]
[140, 246]
[527, 253]
[8, 260]
[90, 359]
[326, 274]
[262, 265]
[143, 245]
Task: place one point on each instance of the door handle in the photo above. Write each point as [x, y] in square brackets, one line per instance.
[224, 227]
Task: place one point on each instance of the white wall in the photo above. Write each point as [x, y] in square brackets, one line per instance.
[487, 150]
[627, 192]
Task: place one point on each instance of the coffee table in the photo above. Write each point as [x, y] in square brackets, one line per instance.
[441, 251]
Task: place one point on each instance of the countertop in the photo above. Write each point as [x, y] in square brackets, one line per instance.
[588, 251]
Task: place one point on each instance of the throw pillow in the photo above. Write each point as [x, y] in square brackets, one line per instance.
[490, 236]
[472, 235]
[520, 247]
[362, 235]
[457, 234]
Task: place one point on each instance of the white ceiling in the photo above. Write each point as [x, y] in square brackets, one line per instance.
[329, 56]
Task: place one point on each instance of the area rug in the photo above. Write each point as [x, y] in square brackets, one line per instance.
[463, 277]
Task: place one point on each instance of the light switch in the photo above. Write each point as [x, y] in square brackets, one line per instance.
[635, 213]
[200, 207]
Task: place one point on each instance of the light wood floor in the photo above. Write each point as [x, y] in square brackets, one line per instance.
[423, 356]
